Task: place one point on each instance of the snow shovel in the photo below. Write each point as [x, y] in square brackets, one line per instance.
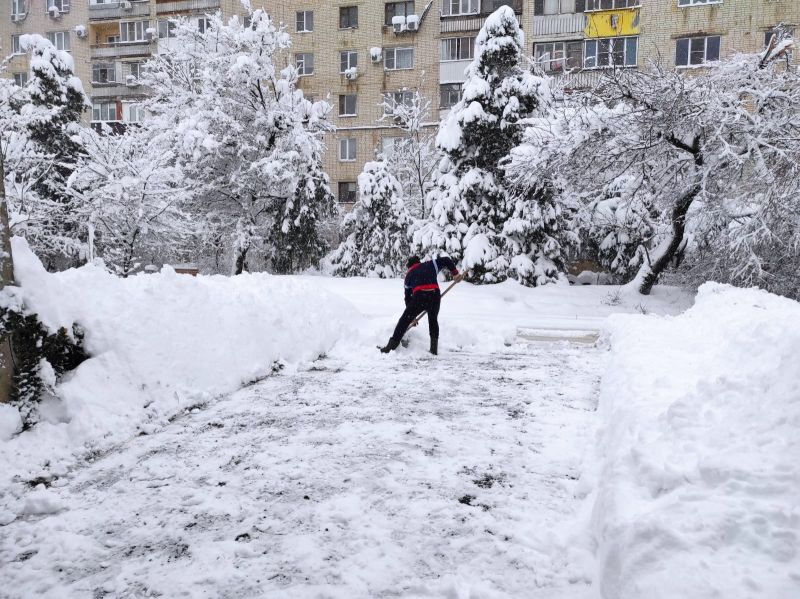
[404, 342]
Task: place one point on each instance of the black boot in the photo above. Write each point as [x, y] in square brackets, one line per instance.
[435, 346]
[393, 343]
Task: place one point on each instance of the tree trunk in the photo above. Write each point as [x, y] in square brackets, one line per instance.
[241, 261]
[6, 278]
[678, 229]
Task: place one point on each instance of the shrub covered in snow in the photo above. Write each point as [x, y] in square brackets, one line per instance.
[377, 229]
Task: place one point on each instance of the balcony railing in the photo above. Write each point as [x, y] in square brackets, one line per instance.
[474, 23]
[118, 90]
[452, 71]
[122, 50]
[115, 10]
[559, 24]
[186, 6]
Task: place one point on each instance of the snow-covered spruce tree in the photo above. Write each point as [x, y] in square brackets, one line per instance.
[412, 156]
[377, 241]
[42, 159]
[471, 200]
[133, 198]
[246, 136]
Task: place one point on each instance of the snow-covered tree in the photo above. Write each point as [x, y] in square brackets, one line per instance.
[133, 198]
[246, 135]
[377, 229]
[671, 167]
[475, 214]
[43, 151]
[412, 156]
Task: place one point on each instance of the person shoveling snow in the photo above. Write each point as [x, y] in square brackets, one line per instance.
[422, 295]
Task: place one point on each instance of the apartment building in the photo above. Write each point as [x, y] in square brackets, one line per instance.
[362, 55]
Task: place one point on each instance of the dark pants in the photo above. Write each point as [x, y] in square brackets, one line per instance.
[421, 301]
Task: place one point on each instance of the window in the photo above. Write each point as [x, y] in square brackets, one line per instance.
[489, 6]
[611, 52]
[203, 25]
[789, 31]
[459, 7]
[348, 105]
[458, 48]
[134, 69]
[694, 2]
[450, 94]
[398, 9]
[388, 145]
[135, 113]
[106, 111]
[104, 72]
[133, 31]
[305, 21]
[18, 9]
[20, 79]
[392, 99]
[558, 7]
[304, 63]
[166, 28]
[60, 39]
[348, 17]
[696, 51]
[60, 5]
[395, 59]
[112, 39]
[347, 60]
[347, 192]
[15, 47]
[611, 4]
[559, 56]
[347, 149]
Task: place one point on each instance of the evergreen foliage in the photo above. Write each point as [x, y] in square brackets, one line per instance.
[377, 229]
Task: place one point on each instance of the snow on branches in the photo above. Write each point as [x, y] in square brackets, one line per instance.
[377, 229]
[247, 135]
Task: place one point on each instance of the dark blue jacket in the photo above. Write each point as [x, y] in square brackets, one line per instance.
[423, 275]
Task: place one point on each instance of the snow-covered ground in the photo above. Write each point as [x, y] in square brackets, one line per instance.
[485, 472]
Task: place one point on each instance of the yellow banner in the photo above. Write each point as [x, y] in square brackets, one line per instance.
[612, 23]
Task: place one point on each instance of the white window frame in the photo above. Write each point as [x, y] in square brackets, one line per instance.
[135, 113]
[61, 5]
[348, 59]
[454, 8]
[390, 100]
[558, 7]
[349, 9]
[135, 71]
[613, 40]
[706, 61]
[304, 62]
[16, 47]
[20, 78]
[305, 19]
[59, 39]
[348, 149]
[600, 5]
[140, 27]
[203, 24]
[390, 64]
[442, 105]
[165, 28]
[456, 45]
[101, 107]
[354, 191]
[16, 5]
[557, 61]
[690, 3]
[109, 67]
[346, 113]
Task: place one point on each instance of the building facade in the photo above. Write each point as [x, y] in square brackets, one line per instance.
[365, 55]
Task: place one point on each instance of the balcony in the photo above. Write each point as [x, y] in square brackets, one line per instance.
[115, 10]
[471, 23]
[103, 91]
[452, 71]
[577, 80]
[121, 50]
[555, 25]
[179, 6]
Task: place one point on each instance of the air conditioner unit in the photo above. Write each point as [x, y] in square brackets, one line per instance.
[125, 5]
[18, 18]
[399, 24]
[412, 23]
[131, 81]
[375, 54]
[54, 12]
[351, 74]
[81, 31]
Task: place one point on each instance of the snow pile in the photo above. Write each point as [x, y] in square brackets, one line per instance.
[161, 344]
[698, 465]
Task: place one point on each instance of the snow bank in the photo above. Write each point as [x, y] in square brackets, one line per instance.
[698, 464]
[160, 344]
